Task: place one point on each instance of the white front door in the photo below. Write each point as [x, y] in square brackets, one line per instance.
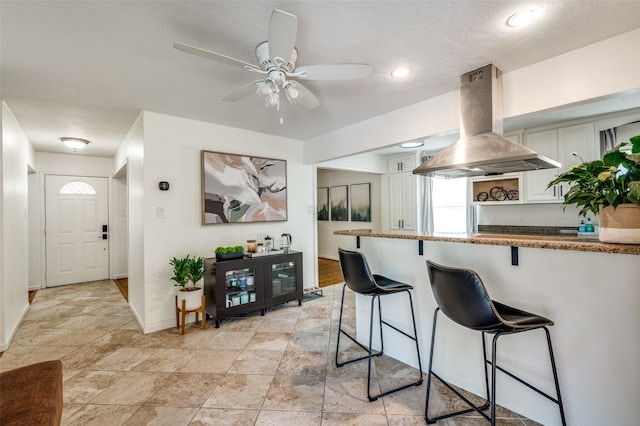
[76, 220]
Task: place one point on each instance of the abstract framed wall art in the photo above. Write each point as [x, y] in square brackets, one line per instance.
[242, 188]
[323, 203]
[339, 202]
[361, 202]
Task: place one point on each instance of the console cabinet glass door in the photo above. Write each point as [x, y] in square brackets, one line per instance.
[240, 287]
[283, 278]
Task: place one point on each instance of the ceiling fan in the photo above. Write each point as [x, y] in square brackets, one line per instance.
[277, 65]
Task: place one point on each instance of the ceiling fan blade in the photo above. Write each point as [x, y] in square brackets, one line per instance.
[336, 71]
[240, 93]
[214, 56]
[306, 99]
[283, 29]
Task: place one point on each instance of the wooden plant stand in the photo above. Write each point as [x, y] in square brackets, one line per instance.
[182, 311]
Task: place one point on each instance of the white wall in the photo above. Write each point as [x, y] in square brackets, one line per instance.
[327, 242]
[118, 222]
[35, 259]
[17, 156]
[130, 155]
[172, 152]
[367, 162]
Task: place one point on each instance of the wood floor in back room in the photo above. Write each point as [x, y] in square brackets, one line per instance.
[329, 272]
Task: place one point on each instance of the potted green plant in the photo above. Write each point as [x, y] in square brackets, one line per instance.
[228, 253]
[611, 188]
[188, 270]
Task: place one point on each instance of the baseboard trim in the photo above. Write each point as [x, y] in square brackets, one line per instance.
[163, 325]
[329, 258]
[5, 345]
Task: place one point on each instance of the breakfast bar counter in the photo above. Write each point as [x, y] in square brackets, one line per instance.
[557, 242]
[589, 289]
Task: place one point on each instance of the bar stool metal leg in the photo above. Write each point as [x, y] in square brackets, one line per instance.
[370, 352]
[430, 373]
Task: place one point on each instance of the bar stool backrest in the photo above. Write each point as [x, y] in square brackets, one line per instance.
[462, 297]
[356, 272]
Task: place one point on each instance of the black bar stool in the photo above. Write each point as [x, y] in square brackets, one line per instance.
[359, 279]
[462, 296]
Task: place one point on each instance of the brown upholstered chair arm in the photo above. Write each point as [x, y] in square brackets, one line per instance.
[32, 395]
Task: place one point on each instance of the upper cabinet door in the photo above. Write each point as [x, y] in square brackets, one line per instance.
[557, 144]
[402, 164]
[544, 143]
[579, 139]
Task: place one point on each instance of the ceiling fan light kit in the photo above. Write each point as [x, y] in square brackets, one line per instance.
[277, 63]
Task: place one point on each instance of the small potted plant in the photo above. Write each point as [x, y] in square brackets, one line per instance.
[228, 253]
[188, 270]
[611, 188]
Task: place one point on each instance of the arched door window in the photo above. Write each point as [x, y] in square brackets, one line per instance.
[78, 187]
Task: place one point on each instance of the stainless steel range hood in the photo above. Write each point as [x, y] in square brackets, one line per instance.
[481, 150]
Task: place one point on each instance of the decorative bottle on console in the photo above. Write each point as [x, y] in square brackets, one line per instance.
[589, 226]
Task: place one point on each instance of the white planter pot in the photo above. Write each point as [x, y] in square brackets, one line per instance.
[620, 225]
[193, 298]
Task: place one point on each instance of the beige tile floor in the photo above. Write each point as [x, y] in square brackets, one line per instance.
[276, 369]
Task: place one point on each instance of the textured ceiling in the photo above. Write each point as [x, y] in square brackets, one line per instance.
[87, 69]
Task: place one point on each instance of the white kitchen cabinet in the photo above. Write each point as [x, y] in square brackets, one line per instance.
[557, 144]
[402, 164]
[402, 201]
[402, 193]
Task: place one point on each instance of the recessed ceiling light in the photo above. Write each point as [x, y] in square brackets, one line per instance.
[74, 143]
[522, 17]
[400, 72]
[414, 144]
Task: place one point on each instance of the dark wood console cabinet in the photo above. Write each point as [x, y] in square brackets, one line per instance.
[235, 287]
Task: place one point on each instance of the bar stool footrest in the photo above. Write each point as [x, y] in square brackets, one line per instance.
[480, 409]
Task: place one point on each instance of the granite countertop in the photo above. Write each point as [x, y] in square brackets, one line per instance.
[556, 242]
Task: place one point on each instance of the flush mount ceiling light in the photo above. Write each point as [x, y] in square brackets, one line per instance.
[74, 143]
[414, 144]
[522, 17]
[400, 72]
